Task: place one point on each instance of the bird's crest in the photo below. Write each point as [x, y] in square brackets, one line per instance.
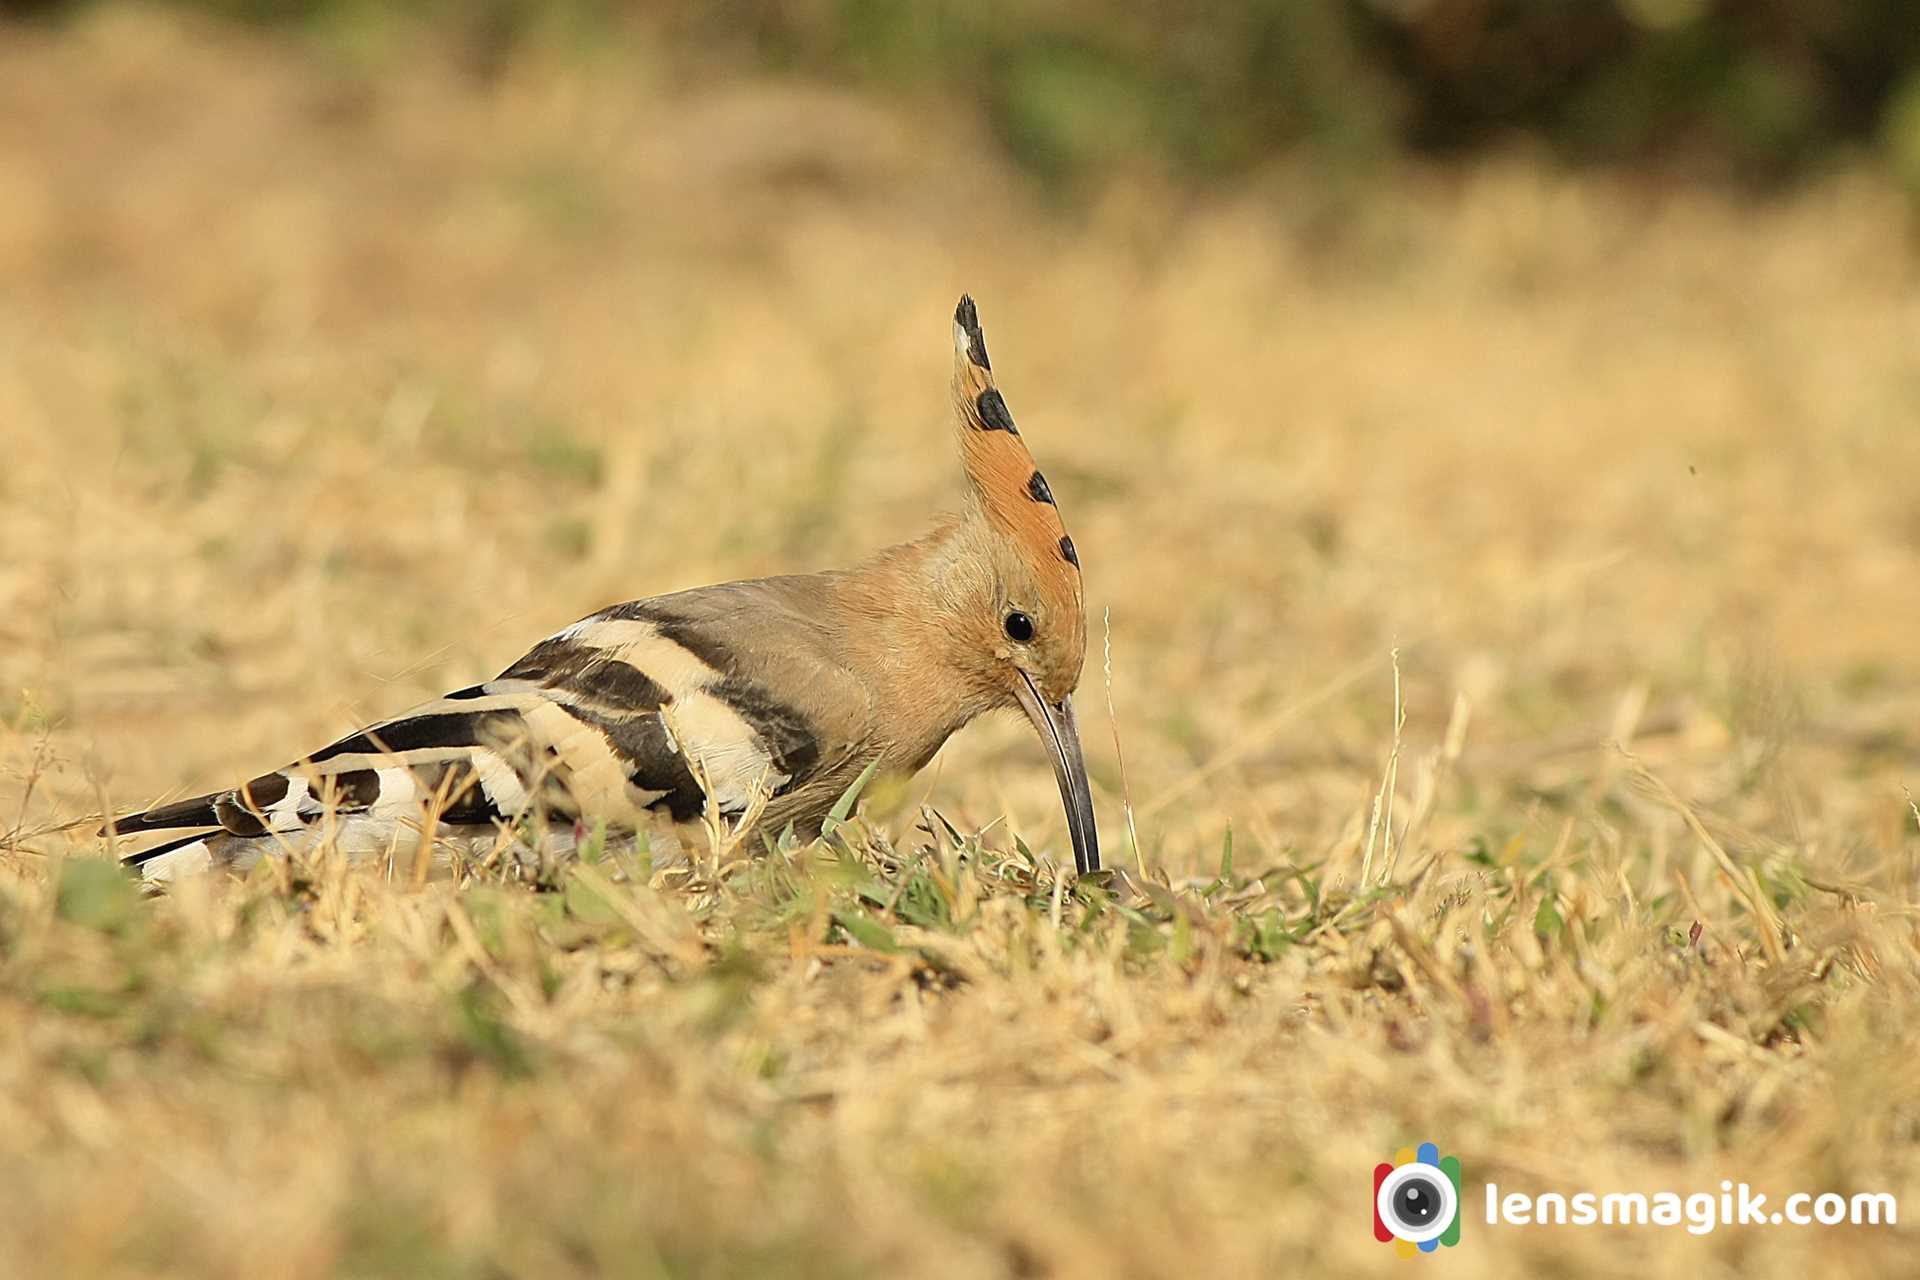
[1008, 488]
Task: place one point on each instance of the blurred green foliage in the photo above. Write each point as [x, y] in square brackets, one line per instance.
[1758, 90]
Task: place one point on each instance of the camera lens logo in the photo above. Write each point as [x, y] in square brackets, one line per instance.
[1416, 1200]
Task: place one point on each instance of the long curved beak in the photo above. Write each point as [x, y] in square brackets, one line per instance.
[1055, 724]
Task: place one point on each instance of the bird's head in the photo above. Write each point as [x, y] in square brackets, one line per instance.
[1023, 618]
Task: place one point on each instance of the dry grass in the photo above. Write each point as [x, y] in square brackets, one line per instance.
[319, 397]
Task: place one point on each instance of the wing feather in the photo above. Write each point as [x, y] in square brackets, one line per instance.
[601, 721]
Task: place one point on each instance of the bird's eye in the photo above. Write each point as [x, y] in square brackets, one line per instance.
[1019, 627]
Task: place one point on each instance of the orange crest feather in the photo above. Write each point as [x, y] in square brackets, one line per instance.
[1011, 493]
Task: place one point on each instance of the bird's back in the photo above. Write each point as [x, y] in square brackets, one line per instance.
[627, 719]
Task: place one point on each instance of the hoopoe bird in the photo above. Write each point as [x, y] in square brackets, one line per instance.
[758, 703]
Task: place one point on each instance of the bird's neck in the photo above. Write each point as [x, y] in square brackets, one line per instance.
[910, 631]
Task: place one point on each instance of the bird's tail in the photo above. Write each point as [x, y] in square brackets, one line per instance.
[196, 811]
[176, 857]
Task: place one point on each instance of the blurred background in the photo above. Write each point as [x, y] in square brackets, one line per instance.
[1566, 355]
[1571, 347]
[1762, 91]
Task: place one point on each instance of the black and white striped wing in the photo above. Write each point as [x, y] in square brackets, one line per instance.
[490, 754]
[597, 723]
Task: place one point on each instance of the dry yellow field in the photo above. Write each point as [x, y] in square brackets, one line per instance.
[321, 394]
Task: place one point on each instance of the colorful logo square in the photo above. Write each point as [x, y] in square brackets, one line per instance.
[1416, 1200]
